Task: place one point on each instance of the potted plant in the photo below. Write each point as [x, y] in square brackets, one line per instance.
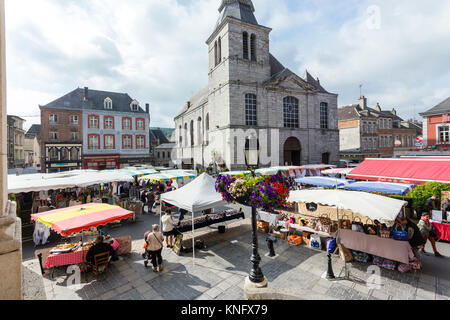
[263, 192]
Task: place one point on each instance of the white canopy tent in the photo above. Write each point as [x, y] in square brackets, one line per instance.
[69, 179]
[195, 197]
[383, 209]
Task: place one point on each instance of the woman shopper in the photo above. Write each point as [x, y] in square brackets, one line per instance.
[167, 226]
[154, 247]
[428, 232]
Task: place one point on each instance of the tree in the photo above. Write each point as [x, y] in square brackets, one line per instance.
[421, 193]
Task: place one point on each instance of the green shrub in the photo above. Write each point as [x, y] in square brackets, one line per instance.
[421, 193]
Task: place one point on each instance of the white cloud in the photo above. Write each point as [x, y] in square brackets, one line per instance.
[155, 49]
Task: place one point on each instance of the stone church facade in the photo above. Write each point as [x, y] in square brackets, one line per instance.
[250, 93]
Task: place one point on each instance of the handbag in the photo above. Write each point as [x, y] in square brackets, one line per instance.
[357, 226]
[370, 228]
[324, 224]
[311, 223]
[385, 233]
[404, 268]
[401, 235]
[345, 223]
[315, 241]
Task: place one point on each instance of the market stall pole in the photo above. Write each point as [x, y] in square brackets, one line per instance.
[252, 161]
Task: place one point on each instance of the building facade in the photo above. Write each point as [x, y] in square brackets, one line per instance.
[374, 133]
[102, 130]
[436, 126]
[16, 142]
[249, 92]
[163, 155]
[157, 138]
[365, 132]
[61, 137]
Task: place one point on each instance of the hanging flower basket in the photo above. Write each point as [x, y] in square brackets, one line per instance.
[264, 192]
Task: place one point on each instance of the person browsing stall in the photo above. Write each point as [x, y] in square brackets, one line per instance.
[154, 247]
[167, 226]
[428, 233]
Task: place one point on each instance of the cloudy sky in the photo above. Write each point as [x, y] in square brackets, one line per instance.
[155, 49]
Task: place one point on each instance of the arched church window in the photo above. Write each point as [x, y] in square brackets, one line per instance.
[245, 45]
[290, 112]
[253, 47]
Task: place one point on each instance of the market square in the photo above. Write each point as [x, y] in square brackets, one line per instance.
[247, 178]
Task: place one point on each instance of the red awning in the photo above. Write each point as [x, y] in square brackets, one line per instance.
[415, 171]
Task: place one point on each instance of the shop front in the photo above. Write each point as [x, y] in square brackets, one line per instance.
[101, 162]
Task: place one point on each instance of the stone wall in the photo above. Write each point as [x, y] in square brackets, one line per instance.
[10, 225]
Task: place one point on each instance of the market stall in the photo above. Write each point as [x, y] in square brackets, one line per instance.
[381, 187]
[364, 238]
[323, 182]
[77, 221]
[197, 196]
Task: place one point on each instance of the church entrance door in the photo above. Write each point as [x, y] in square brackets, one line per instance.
[292, 152]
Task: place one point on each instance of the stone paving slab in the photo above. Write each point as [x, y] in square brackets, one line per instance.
[220, 270]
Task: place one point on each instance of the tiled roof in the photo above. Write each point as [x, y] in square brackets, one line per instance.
[157, 134]
[310, 79]
[166, 146]
[75, 100]
[348, 113]
[441, 108]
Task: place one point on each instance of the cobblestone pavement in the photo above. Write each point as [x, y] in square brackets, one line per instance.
[219, 273]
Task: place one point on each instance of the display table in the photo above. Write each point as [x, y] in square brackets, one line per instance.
[391, 249]
[442, 230]
[208, 220]
[271, 218]
[66, 259]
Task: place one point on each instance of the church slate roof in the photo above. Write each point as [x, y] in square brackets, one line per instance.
[441, 108]
[239, 9]
[310, 79]
[75, 100]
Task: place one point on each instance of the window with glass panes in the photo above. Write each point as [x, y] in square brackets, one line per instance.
[126, 123]
[324, 115]
[73, 119]
[250, 110]
[140, 124]
[140, 142]
[109, 142]
[93, 142]
[290, 111]
[444, 132]
[54, 135]
[74, 135]
[93, 122]
[109, 123]
[127, 142]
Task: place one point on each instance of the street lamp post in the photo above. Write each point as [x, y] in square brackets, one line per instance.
[252, 161]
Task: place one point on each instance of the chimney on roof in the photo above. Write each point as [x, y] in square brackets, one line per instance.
[86, 93]
[378, 107]
[188, 104]
[147, 107]
[318, 81]
[394, 112]
[363, 102]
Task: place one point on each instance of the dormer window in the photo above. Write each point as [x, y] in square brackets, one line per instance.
[108, 104]
[134, 106]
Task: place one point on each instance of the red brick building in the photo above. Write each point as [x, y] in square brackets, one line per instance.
[62, 138]
[436, 126]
